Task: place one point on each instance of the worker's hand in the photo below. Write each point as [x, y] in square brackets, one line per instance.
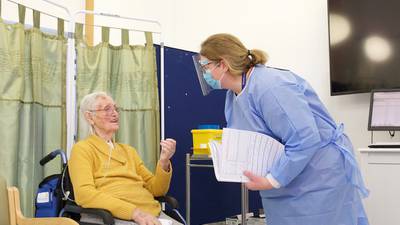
[257, 183]
[143, 218]
[168, 147]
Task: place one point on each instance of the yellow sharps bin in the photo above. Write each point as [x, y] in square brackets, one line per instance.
[201, 137]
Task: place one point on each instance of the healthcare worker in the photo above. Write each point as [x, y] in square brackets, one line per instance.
[317, 180]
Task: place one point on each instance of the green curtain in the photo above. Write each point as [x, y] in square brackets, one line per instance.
[32, 105]
[128, 73]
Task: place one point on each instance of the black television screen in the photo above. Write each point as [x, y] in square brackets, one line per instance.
[364, 43]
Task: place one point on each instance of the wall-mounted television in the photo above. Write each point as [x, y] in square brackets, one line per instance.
[364, 45]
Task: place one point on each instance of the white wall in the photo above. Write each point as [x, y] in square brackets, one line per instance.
[10, 11]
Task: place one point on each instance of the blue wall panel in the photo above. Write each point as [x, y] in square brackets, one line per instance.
[185, 109]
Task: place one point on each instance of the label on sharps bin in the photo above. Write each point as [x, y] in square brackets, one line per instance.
[203, 145]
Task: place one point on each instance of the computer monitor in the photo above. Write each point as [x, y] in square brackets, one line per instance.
[384, 110]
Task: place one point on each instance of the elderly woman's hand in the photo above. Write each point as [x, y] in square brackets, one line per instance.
[143, 218]
[168, 147]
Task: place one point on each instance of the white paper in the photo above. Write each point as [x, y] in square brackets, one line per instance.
[243, 150]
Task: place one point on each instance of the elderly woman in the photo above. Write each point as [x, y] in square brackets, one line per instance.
[112, 176]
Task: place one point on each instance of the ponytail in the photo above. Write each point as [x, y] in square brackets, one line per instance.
[226, 46]
[256, 57]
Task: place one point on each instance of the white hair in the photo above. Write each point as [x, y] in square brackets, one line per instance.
[88, 103]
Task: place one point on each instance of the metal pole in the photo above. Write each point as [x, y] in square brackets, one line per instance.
[245, 203]
[162, 88]
[187, 188]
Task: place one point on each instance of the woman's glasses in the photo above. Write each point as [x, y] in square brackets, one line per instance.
[206, 65]
[109, 110]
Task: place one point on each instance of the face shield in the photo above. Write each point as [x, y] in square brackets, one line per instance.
[200, 70]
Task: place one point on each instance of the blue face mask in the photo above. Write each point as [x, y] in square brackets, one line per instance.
[214, 84]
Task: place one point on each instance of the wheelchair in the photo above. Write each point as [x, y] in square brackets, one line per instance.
[55, 198]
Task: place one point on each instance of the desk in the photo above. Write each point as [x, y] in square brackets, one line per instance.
[192, 158]
[380, 168]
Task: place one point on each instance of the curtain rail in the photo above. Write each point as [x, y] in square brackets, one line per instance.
[102, 14]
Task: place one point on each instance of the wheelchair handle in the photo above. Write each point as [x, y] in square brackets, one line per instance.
[52, 155]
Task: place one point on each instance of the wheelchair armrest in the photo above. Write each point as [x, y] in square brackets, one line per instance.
[171, 201]
[104, 214]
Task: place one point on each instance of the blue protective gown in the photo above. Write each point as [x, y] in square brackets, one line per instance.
[319, 177]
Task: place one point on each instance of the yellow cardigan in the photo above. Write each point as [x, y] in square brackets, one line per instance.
[119, 183]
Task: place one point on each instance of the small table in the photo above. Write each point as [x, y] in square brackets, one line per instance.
[189, 164]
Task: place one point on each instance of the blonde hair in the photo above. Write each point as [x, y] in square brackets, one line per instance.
[228, 47]
[88, 103]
